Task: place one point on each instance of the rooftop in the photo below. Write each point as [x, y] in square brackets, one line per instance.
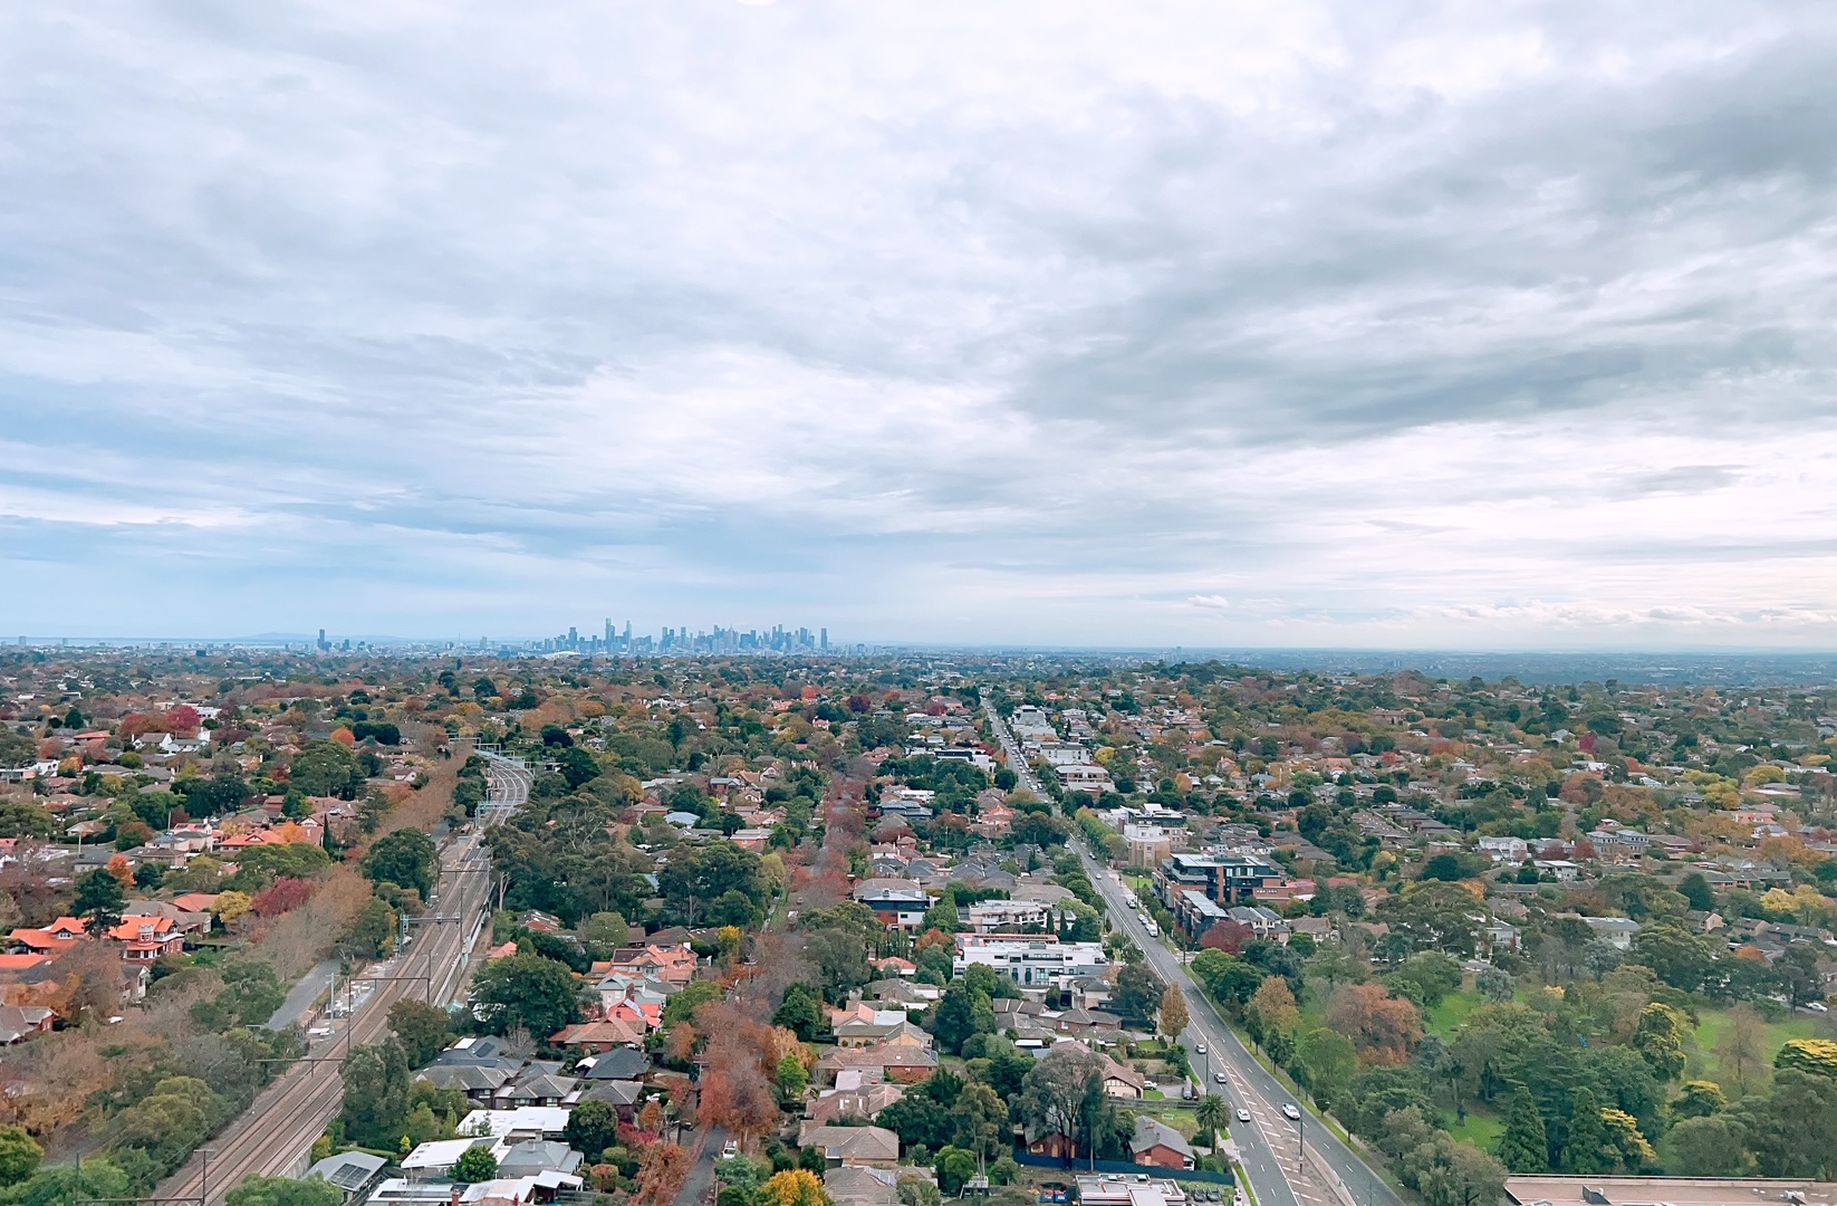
[1670, 1191]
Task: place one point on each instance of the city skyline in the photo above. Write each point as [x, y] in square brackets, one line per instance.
[1321, 324]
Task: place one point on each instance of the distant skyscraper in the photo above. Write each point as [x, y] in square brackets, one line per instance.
[823, 639]
[609, 632]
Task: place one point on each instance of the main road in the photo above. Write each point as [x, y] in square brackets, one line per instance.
[1271, 1147]
[274, 1133]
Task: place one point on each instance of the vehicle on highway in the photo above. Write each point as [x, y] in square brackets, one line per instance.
[1219, 1077]
[1243, 1115]
[1290, 1112]
[1199, 1048]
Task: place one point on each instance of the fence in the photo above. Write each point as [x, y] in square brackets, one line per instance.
[1086, 1166]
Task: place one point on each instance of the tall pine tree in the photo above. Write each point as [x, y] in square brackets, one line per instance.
[1587, 1149]
[1524, 1147]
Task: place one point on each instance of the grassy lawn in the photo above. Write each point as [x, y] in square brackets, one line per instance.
[1447, 1017]
[1713, 1023]
[1180, 1120]
[1481, 1130]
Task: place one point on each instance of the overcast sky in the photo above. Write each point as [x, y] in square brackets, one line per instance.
[1487, 325]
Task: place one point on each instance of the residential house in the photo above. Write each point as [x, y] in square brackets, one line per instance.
[1513, 850]
[852, 1146]
[597, 1036]
[21, 1022]
[352, 1174]
[1616, 932]
[859, 1185]
[887, 1026]
[858, 1101]
[1121, 1081]
[146, 939]
[530, 1157]
[899, 903]
[674, 965]
[1158, 1145]
[901, 1064]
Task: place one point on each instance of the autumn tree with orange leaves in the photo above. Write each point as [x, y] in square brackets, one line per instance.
[1384, 1028]
[661, 1175]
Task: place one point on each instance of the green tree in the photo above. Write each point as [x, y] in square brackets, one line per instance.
[67, 1184]
[692, 996]
[593, 1126]
[604, 931]
[373, 931]
[802, 1012]
[980, 1119]
[1698, 1099]
[1704, 1147]
[250, 994]
[1812, 1056]
[1659, 1039]
[954, 1167]
[475, 1164]
[284, 1191]
[1588, 1148]
[954, 1021]
[423, 1030]
[943, 915]
[1138, 994]
[327, 768]
[19, 1155]
[1523, 1147]
[1213, 1112]
[1681, 957]
[1788, 1130]
[793, 1079]
[99, 901]
[578, 767]
[527, 991]
[697, 876]
[1329, 1059]
[1427, 977]
[376, 1086]
[406, 857]
[1696, 891]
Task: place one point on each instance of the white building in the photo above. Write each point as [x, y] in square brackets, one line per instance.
[1006, 916]
[1504, 849]
[1031, 962]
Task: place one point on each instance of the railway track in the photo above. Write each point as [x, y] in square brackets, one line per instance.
[287, 1116]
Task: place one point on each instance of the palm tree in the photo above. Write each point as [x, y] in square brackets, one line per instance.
[1212, 1113]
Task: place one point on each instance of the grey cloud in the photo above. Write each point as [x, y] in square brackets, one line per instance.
[1683, 479]
[418, 281]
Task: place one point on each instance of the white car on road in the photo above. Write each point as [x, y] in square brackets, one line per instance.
[1290, 1112]
[1243, 1115]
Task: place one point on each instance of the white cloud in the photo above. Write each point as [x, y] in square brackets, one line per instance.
[1175, 323]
